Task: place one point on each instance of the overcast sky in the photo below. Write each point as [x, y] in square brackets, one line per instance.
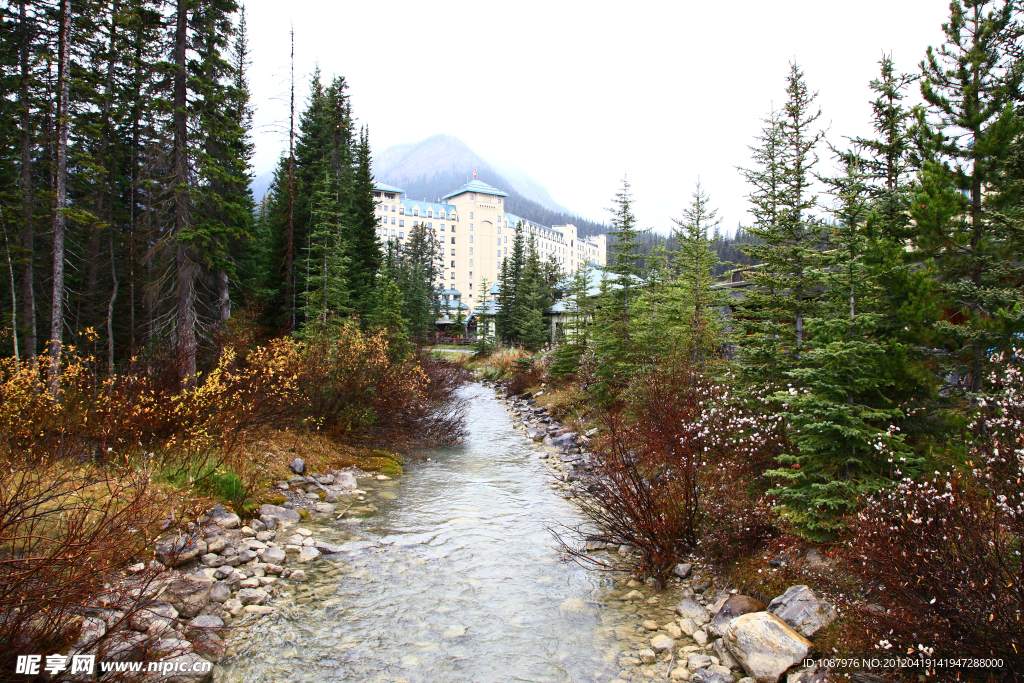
[578, 94]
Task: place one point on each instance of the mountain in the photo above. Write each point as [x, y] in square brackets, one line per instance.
[433, 167]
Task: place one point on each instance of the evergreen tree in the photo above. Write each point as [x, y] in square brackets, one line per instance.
[327, 295]
[972, 86]
[695, 263]
[838, 412]
[788, 283]
[579, 307]
[509, 317]
[484, 345]
[533, 301]
[614, 344]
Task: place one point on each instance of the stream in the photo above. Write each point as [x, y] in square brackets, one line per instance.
[454, 577]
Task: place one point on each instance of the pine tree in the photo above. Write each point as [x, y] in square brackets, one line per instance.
[972, 85]
[533, 300]
[787, 284]
[695, 263]
[328, 294]
[837, 409]
[509, 317]
[614, 344]
[579, 308]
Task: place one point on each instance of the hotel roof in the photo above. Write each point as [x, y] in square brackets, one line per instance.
[387, 188]
[477, 186]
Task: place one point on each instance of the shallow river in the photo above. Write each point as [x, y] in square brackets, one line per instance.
[461, 580]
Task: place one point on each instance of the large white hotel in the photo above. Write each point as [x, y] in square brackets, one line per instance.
[474, 233]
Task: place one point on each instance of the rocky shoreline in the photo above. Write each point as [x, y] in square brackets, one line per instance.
[693, 630]
[220, 574]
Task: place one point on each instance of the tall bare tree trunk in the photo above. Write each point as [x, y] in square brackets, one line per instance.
[289, 243]
[57, 305]
[28, 299]
[110, 306]
[186, 314]
[223, 296]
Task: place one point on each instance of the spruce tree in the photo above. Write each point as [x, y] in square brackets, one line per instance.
[788, 282]
[328, 294]
[695, 263]
[614, 341]
[968, 133]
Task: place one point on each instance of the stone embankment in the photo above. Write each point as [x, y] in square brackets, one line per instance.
[691, 631]
[221, 572]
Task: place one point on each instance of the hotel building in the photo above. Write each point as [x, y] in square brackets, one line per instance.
[475, 233]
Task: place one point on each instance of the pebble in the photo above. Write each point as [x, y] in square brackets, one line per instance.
[650, 625]
[700, 637]
[647, 656]
[662, 643]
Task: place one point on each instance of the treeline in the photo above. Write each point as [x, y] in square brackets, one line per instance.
[124, 173]
[875, 312]
[860, 392]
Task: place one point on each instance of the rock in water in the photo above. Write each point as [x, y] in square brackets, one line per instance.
[803, 610]
[308, 554]
[298, 466]
[283, 518]
[661, 643]
[765, 646]
[252, 596]
[691, 609]
[710, 676]
[735, 606]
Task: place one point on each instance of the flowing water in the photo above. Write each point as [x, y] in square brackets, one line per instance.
[455, 577]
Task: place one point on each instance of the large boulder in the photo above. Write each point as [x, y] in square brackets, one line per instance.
[178, 550]
[691, 609]
[204, 623]
[735, 606]
[298, 466]
[189, 594]
[765, 646]
[803, 610]
[562, 442]
[283, 518]
[223, 517]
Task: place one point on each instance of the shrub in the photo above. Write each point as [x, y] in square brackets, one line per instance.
[663, 469]
[942, 556]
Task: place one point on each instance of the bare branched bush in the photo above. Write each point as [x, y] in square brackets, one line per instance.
[942, 557]
[664, 465]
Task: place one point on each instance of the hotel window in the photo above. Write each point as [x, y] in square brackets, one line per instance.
[471, 284]
[401, 235]
[453, 252]
[453, 239]
[392, 207]
[470, 263]
[506, 239]
[401, 210]
[499, 199]
[470, 215]
[392, 233]
[416, 212]
[471, 239]
[453, 264]
[471, 277]
[392, 220]
[442, 227]
[471, 226]
[453, 276]
[453, 228]
[415, 223]
[499, 252]
[440, 214]
[429, 224]
[471, 253]
[506, 250]
[401, 223]
[499, 229]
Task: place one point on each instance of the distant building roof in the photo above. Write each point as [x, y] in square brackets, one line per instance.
[410, 204]
[477, 186]
[387, 188]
